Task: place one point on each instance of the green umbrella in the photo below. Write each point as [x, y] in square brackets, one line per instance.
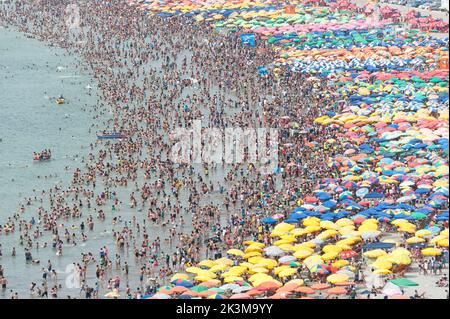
[199, 288]
[418, 215]
[404, 282]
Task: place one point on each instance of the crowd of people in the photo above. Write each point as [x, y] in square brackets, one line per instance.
[158, 74]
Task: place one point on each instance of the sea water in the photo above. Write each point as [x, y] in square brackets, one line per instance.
[32, 76]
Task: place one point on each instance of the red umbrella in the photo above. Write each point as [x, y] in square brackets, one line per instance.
[347, 254]
[310, 199]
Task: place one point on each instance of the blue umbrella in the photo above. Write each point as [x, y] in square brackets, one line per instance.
[269, 220]
[374, 195]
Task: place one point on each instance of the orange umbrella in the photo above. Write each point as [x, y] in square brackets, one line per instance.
[305, 290]
[210, 284]
[320, 286]
[337, 291]
[177, 290]
[288, 287]
[268, 285]
[254, 292]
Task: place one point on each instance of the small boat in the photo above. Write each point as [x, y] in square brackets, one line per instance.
[109, 135]
[60, 101]
[42, 158]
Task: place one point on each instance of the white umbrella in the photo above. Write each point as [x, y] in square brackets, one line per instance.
[241, 289]
[390, 290]
[286, 259]
[229, 286]
[273, 251]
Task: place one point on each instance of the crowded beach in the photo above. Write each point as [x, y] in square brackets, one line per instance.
[357, 207]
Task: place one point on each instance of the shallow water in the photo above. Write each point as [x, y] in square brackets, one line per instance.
[32, 74]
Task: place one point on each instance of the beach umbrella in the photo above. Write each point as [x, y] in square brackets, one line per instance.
[287, 272]
[431, 252]
[182, 283]
[320, 286]
[382, 272]
[179, 276]
[305, 290]
[337, 291]
[336, 278]
[391, 289]
[235, 252]
[403, 282]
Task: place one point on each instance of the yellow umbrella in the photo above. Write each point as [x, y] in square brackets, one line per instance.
[301, 254]
[344, 222]
[340, 263]
[374, 253]
[251, 242]
[179, 276]
[437, 238]
[331, 248]
[414, 240]
[194, 270]
[336, 278]
[382, 272]
[282, 241]
[311, 221]
[207, 263]
[443, 242]
[287, 272]
[252, 254]
[330, 256]
[382, 265]
[218, 267]
[235, 252]
[399, 259]
[284, 227]
[279, 269]
[259, 269]
[258, 276]
[431, 252]
[269, 263]
[202, 278]
[313, 260]
[253, 247]
[225, 261]
[230, 279]
[298, 232]
[423, 233]
[312, 228]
